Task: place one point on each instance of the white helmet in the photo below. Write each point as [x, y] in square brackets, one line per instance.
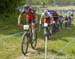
[45, 11]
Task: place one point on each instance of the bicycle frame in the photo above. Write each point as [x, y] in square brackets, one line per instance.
[46, 29]
[46, 37]
[27, 38]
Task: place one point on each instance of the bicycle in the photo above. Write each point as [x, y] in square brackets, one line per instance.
[53, 27]
[28, 37]
[46, 36]
[46, 31]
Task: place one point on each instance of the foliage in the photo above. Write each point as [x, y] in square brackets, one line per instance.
[8, 5]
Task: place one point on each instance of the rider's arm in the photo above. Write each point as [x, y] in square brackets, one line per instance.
[19, 19]
[40, 21]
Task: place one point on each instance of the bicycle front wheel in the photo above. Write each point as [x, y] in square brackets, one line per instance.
[24, 46]
[46, 34]
[34, 40]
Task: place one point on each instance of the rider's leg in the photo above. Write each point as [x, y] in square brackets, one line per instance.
[33, 29]
[57, 23]
[60, 25]
[29, 23]
[70, 23]
[34, 26]
[50, 28]
[45, 28]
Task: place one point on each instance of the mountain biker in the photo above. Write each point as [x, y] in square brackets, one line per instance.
[47, 18]
[66, 21]
[70, 17]
[61, 20]
[56, 19]
[30, 16]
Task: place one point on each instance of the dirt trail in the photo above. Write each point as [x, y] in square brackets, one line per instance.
[31, 51]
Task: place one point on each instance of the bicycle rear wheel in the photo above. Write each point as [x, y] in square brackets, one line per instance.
[33, 40]
[24, 46]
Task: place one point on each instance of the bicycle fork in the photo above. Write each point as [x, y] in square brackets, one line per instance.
[46, 38]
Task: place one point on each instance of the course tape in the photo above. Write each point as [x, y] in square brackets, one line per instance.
[65, 46]
[12, 35]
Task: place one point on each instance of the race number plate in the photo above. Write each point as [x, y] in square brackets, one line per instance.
[26, 27]
[53, 21]
[45, 25]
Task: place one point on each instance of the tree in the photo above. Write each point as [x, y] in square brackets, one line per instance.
[8, 5]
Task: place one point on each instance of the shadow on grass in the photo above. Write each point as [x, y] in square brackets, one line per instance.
[42, 51]
[55, 52]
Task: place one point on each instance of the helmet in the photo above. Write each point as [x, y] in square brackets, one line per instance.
[45, 11]
[26, 6]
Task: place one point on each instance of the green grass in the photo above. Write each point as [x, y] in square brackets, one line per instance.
[10, 48]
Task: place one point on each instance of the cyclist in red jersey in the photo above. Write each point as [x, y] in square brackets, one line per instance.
[30, 17]
[55, 16]
[47, 18]
[56, 19]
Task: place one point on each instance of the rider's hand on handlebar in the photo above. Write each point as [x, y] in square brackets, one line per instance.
[19, 25]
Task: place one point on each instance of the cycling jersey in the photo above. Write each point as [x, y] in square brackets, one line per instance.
[30, 15]
[47, 20]
[61, 19]
[56, 17]
[47, 17]
[66, 18]
[71, 17]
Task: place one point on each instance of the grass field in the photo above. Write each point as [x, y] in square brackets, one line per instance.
[62, 44]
